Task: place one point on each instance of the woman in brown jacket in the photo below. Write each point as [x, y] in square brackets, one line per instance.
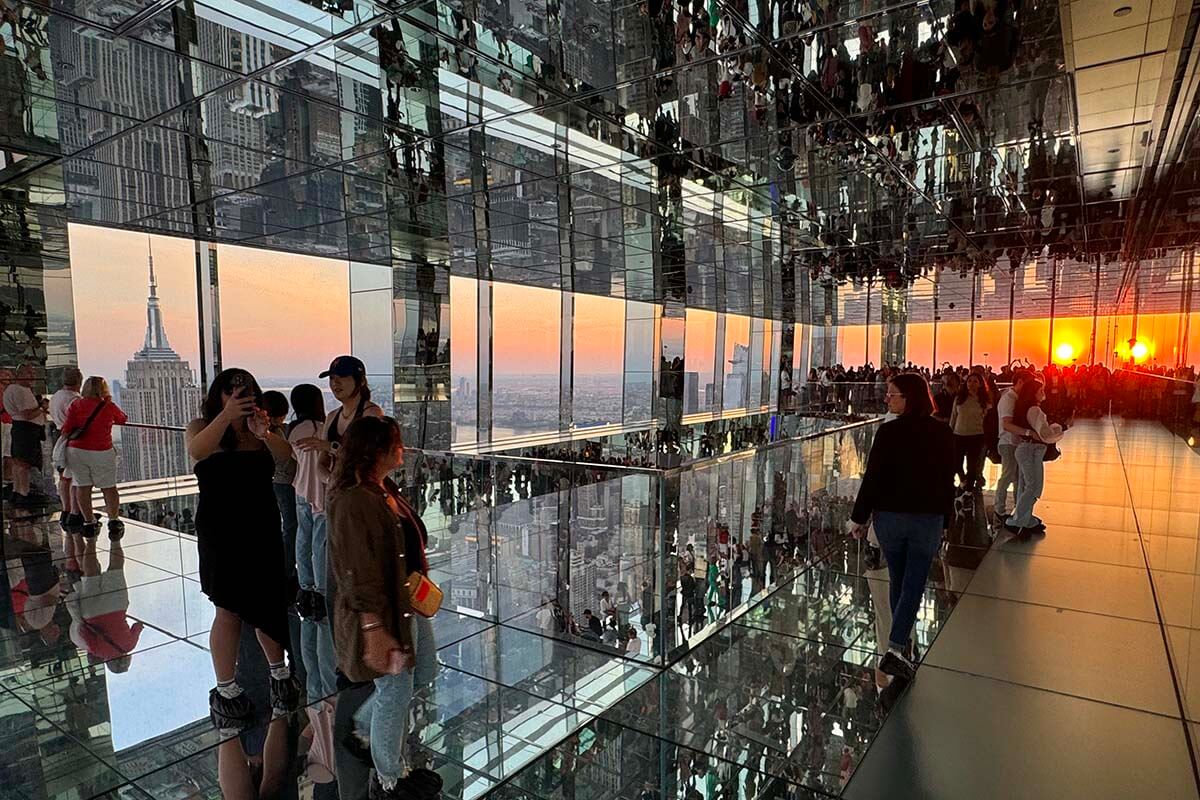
[375, 541]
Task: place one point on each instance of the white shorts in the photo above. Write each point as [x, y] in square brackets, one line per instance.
[103, 594]
[96, 468]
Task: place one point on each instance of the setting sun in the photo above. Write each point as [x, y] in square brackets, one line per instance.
[1064, 352]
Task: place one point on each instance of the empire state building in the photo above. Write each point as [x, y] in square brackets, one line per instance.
[160, 389]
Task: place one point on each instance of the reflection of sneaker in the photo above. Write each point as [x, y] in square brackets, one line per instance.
[358, 747]
[89, 530]
[116, 529]
[420, 784]
[897, 665]
[286, 696]
[304, 603]
[71, 523]
[889, 696]
[872, 557]
[317, 609]
[230, 714]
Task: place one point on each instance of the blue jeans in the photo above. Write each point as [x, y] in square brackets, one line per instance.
[1009, 477]
[386, 714]
[909, 543]
[320, 660]
[285, 498]
[312, 547]
[1030, 461]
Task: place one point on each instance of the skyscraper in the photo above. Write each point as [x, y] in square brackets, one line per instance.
[159, 389]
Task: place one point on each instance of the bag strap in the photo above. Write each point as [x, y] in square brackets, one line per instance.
[78, 432]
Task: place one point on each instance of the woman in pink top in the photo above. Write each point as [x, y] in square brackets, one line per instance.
[91, 456]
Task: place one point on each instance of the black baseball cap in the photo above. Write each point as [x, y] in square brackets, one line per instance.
[345, 367]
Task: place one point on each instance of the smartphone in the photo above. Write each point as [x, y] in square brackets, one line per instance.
[236, 384]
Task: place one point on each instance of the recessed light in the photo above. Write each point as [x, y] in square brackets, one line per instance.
[1123, 11]
[1114, 150]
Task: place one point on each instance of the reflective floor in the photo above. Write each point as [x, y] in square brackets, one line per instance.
[1046, 669]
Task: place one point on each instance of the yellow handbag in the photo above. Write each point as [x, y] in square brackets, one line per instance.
[423, 594]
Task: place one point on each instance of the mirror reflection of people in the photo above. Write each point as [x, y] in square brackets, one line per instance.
[34, 589]
[907, 491]
[240, 542]
[99, 607]
[245, 777]
[376, 541]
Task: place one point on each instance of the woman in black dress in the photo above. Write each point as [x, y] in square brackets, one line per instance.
[240, 544]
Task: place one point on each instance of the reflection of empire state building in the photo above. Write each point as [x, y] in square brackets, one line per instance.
[159, 390]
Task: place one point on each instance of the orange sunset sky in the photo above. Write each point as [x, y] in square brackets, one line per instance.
[284, 314]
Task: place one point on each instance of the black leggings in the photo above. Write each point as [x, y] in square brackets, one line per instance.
[969, 448]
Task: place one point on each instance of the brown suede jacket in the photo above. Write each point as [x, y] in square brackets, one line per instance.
[367, 552]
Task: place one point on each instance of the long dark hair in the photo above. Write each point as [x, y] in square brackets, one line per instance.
[1027, 398]
[308, 403]
[918, 402]
[985, 399]
[227, 383]
[366, 441]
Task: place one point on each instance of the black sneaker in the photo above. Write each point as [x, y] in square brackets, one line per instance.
[71, 523]
[424, 784]
[420, 784]
[359, 749]
[317, 606]
[89, 530]
[32, 500]
[304, 603]
[897, 665]
[286, 696]
[116, 529]
[230, 714]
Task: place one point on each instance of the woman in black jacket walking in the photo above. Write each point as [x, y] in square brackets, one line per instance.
[908, 490]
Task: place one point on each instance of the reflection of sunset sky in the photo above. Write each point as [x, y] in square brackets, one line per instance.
[1030, 339]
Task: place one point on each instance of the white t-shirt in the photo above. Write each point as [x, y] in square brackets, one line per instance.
[1005, 408]
[18, 399]
[60, 401]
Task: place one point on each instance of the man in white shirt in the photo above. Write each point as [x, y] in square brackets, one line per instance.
[1009, 438]
[28, 431]
[60, 401]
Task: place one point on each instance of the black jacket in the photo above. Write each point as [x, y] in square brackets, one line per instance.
[910, 469]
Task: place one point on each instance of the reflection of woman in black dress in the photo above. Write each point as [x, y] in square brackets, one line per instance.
[238, 532]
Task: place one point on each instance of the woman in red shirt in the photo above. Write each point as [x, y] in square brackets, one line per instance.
[91, 456]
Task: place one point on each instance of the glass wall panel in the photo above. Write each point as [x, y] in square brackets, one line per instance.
[305, 324]
[737, 361]
[599, 360]
[464, 314]
[136, 325]
[524, 360]
[641, 331]
[700, 364]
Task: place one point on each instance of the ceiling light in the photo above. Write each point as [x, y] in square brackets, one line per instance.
[1123, 11]
[1114, 150]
